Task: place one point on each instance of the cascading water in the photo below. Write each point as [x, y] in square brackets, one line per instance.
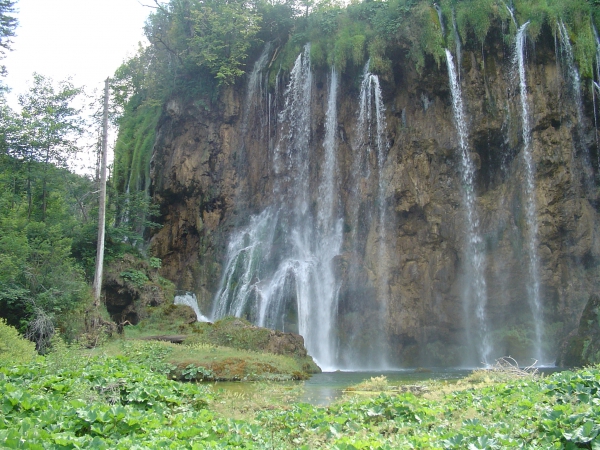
[572, 72]
[438, 9]
[533, 288]
[370, 153]
[476, 291]
[255, 97]
[279, 270]
[189, 299]
[596, 89]
[575, 80]
[512, 14]
[457, 41]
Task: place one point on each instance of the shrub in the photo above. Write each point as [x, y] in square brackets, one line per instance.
[14, 348]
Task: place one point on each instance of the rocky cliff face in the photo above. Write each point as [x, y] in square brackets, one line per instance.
[213, 169]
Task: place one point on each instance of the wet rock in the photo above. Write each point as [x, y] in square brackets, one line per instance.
[582, 346]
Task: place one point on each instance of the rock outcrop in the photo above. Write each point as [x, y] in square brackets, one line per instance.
[582, 345]
[131, 286]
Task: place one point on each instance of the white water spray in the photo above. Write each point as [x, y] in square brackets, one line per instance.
[370, 153]
[573, 73]
[189, 299]
[476, 292]
[279, 271]
[533, 288]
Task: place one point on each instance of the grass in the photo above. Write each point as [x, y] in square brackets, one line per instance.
[229, 350]
[205, 362]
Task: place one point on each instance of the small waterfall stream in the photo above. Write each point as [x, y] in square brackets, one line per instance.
[596, 89]
[572, 72]
[533, 288]
[256, 97]
[457, 42]
[189, 299]
[475, 297]
[566, 50]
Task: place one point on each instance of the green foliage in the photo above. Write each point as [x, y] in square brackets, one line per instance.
[137, 277]
[558, 412]
[8, 23]
[424, 34]
[43, 207]
[155, 263]
[133, 148]
[14, 349]
[475, 16]
[37, 269]
[72, 399]
[235, 333]
[222, 35]
[98, 402]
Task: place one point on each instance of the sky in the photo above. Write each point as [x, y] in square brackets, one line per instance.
[83, 39]
[86, 40]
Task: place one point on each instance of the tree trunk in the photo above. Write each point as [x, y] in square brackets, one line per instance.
[102, 202]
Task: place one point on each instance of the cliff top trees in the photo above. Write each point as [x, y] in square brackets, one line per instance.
[222, 34]
[212, 35]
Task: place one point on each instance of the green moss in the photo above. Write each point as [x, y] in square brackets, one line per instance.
[133, 148]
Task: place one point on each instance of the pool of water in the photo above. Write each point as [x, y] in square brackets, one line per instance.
[323, 388]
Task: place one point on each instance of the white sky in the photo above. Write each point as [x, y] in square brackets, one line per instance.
[86, 40]
[83, 39]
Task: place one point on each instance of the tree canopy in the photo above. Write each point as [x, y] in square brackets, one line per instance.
[8, 25]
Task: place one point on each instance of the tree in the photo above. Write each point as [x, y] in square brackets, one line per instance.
[223, 33]
[8, 24]
[47, 131]
[102, 200]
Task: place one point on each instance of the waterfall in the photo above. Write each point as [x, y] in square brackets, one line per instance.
[189, 299]
[255, 98]
[533, 288]
[476, 290]
[291, 154]
[512, 14]
[370, 153]
[572, 72]
[278, 271]
[457, 41]
[440, 18]
[596, 87]
[574, 78]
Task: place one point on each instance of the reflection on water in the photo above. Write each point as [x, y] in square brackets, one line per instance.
[323, 388]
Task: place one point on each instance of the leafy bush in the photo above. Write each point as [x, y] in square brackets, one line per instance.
[137, 277]
[14, 349]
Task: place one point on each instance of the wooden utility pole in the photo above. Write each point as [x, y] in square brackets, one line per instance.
[102, 202]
